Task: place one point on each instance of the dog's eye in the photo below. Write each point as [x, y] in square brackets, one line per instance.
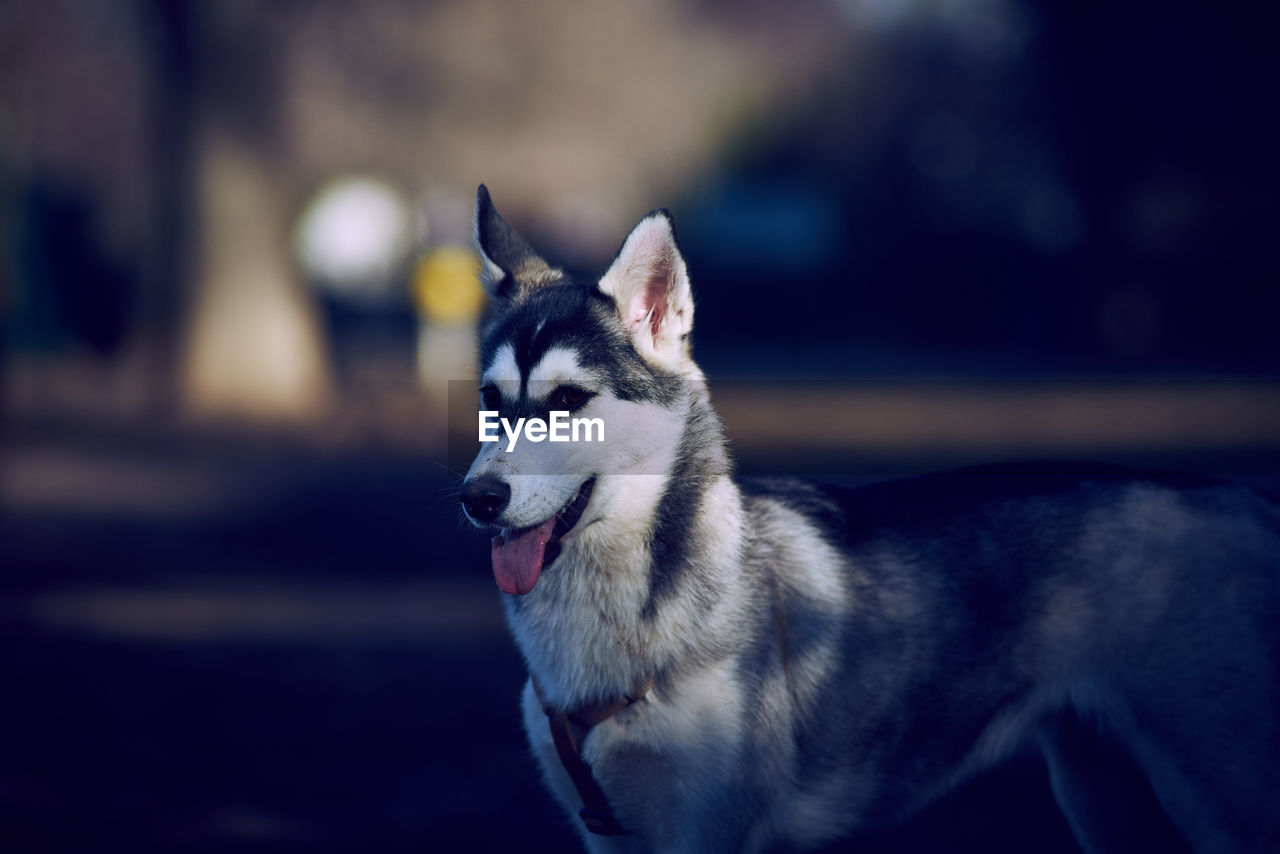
[490, 399]
[569, 397]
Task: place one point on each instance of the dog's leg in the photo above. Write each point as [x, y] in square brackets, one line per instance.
[1103, 794]
[1217, 775]
[1205, 729]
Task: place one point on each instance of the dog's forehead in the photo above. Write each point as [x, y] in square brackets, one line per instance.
[558, 330]
[568, 334]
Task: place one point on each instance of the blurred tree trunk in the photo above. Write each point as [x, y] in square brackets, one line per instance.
[253, 345]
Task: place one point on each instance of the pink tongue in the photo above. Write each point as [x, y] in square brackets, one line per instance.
[517, 562]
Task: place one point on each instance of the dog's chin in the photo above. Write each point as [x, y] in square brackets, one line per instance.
[521, 554]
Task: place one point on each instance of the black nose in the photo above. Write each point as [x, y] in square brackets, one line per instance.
[485, 497]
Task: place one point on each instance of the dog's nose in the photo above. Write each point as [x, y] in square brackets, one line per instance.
[485, 497]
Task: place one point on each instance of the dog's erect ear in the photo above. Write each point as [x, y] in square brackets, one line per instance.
[649, 282]
[508, 263]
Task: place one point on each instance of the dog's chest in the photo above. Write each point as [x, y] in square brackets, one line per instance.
[580, 634]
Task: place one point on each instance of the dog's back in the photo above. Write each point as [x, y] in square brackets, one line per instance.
[992, 607]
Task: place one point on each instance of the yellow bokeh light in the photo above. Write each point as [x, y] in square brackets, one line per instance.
[446, 288]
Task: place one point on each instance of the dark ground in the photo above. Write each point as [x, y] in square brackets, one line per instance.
[310, 660]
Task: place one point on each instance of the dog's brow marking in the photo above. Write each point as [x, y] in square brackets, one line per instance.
[558, 365]
[503, 373]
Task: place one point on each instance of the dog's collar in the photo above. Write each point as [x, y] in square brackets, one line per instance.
[568, 729]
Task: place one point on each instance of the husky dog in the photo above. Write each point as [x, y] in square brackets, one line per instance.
[724, 666]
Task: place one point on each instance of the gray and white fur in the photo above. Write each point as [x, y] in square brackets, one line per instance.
[826, 661]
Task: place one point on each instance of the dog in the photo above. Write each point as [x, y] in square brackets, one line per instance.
[724, 665]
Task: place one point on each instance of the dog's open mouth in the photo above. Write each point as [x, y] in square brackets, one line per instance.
[520, 554]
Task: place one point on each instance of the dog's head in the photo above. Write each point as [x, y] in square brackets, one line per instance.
[613, 356]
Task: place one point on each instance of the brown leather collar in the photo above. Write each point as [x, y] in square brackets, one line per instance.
[568, 729]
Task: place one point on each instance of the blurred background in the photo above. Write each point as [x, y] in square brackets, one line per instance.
[238, 607]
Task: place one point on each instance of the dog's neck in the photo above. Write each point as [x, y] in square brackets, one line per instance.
[634, 596]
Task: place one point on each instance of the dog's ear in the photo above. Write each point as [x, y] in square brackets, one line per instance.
[509, 266]
[650, 283]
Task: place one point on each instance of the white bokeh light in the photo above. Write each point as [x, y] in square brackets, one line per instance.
[353, 237]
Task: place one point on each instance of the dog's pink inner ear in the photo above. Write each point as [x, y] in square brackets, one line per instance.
[650, 302]
[648, 281]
